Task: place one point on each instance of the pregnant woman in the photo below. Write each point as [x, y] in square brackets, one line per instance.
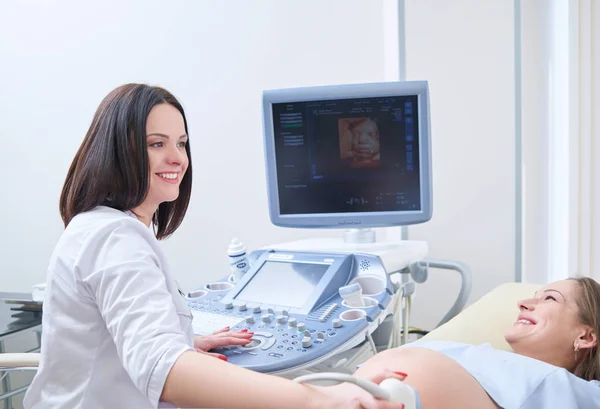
[555, 363]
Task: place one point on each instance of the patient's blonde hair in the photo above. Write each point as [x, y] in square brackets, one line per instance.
[588, 367]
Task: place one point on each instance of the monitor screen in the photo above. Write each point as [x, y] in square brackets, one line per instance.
[283, 283]
[348, 155]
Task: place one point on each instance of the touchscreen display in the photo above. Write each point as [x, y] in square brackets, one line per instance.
[283, 283]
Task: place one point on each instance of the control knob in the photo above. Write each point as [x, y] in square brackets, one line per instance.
[337, 323]
[249, 319]
[301, 327]
[281, 319]
[292, 322]
[266, 318]
[306, 342]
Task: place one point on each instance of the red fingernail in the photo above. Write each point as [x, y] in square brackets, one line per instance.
[244, 330]
[223, 357]
[226, 328]
[251, 333]
[401, 374]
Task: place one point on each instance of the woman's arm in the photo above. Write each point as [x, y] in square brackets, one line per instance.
[199, 381]
[131, 293]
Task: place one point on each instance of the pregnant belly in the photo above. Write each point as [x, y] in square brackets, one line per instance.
[440, 381]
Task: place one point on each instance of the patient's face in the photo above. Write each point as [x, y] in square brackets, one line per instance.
[548, 322]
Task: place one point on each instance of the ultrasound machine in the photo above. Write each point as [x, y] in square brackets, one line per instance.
[349, 157]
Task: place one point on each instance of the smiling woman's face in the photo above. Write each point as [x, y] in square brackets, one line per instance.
[548, 326]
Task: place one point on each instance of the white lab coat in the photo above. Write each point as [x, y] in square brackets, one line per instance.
[114, 322]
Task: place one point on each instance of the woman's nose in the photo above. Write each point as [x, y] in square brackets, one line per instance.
[528, 305]
[176, 156]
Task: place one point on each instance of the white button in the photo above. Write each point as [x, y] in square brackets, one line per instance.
[249, 319]
[292, 322]
[266, 318]
[301, 327]
[337, 323]
[306, 342]
[281, 319]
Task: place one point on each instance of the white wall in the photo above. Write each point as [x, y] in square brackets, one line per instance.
[465, 48]
[59, 59]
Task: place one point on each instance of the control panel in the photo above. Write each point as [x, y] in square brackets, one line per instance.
[296, 305]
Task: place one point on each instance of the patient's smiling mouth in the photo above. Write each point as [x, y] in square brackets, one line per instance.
[525, 320]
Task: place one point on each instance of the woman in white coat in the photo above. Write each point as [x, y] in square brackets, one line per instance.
[116, 332]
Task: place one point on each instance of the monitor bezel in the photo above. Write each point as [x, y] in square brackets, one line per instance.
[420, 89]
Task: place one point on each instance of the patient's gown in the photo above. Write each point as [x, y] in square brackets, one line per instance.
[517, 382]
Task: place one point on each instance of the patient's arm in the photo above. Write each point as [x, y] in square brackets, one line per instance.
[440, 381]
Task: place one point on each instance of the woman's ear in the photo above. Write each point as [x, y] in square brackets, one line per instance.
[587, 339]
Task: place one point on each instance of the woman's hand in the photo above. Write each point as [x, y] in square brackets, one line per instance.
[221, 338]
[355, 397]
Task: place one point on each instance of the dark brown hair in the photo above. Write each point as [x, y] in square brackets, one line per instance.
[588, 366]
[111, 166]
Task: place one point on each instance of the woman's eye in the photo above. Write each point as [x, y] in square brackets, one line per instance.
[156, 144]
[181, 144]
[549, 297]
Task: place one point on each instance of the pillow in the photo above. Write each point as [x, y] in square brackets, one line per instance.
[487, 319]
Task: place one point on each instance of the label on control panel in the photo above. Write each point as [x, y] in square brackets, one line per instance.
[281, 256]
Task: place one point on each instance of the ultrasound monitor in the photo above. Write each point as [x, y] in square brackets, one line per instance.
[348, 156]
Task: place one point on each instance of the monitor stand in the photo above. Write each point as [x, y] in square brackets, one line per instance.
[396, 255]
